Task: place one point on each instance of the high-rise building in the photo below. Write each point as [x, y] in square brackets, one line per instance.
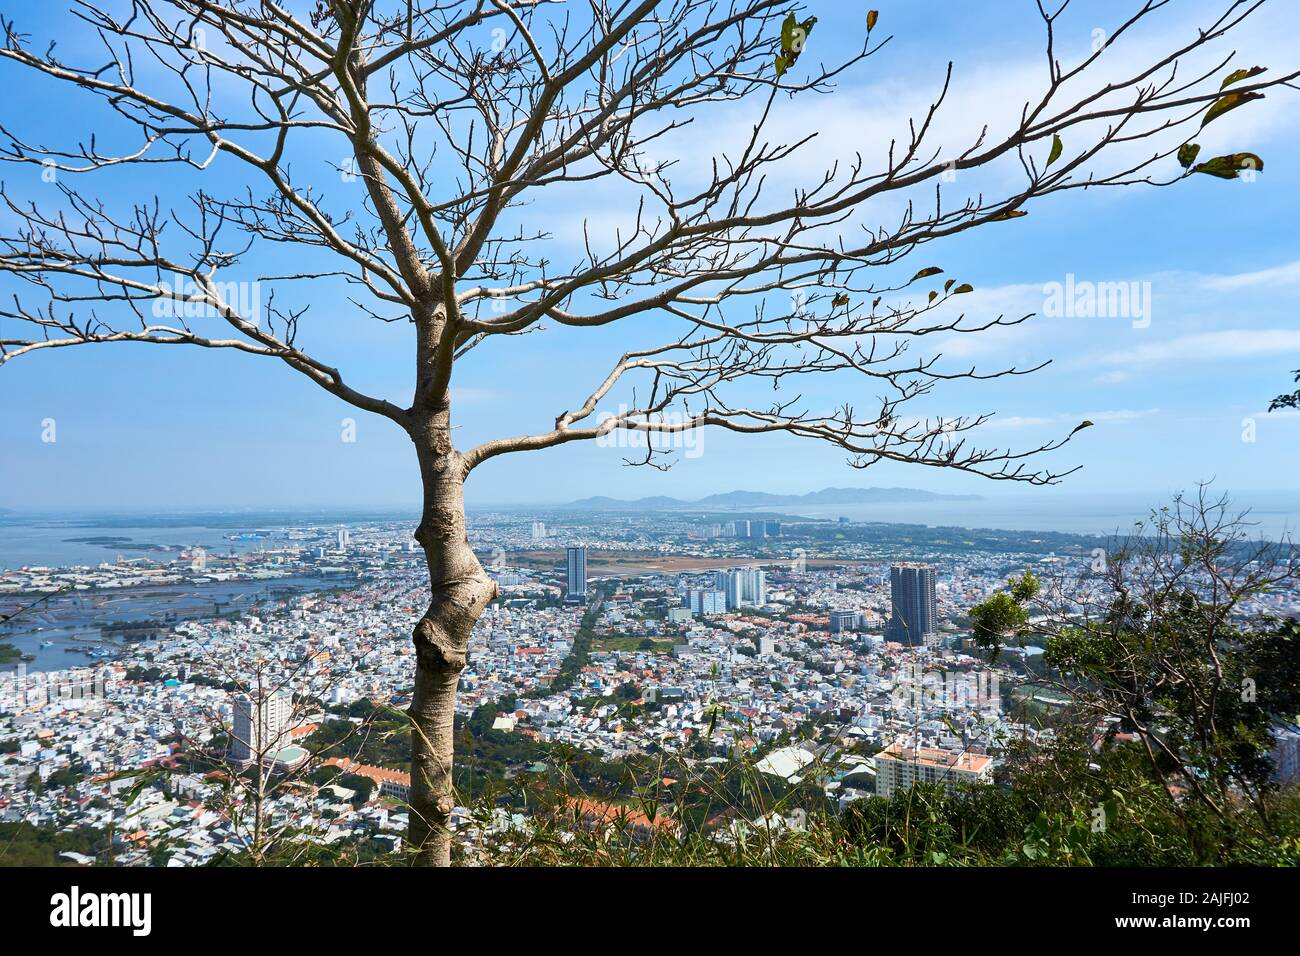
[746, 587]
[261, 726]
[343, 539]
[705, 603]
[843, 621]
[539, 530]
[914, 614]
[577, 583]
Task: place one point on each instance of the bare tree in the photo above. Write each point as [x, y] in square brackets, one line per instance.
[453, 115]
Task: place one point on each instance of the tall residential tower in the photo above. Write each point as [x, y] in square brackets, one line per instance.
[914, 616]
[576, 592]
[261, 726]
[745, 587]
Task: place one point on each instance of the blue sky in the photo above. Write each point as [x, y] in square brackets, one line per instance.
[148, 426]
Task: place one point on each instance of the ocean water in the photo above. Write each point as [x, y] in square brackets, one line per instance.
[65, 631]
[27, 540]
[52, 540]
[1273, 515]
[45, 542]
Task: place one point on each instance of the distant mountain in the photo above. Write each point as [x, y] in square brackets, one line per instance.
[763, 499]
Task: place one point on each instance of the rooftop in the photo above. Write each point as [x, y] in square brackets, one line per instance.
[931, 757]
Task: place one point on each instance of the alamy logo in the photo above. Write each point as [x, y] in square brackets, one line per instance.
[662, 431]
[967, 690]
[1081, 299]
[74, 909]
[184, 298]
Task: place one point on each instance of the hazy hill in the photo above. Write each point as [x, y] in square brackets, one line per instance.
[763, 499]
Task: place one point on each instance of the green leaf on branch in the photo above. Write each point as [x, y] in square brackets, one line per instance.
[928, 271]
[1228, 167]
[963, 289]
[793, 37]
[787, 32]
[1225, 104]
[1009, 214]
[1238, 75]
[1057, 147]
[1187, 154]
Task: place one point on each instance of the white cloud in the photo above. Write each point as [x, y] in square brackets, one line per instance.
[1116, 377]
[862, 120]
[1205, 346]
[1197, 317]
[1281, 414]
[1121, 416]
[985, 101]
[1283, 275]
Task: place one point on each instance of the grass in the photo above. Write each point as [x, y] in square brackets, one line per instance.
[630, 643]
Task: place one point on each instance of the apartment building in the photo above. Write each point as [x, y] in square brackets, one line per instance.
[899, 766]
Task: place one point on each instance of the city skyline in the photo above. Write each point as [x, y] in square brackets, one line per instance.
[646, 666]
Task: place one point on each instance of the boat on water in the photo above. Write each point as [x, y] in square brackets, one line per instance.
[47, 643]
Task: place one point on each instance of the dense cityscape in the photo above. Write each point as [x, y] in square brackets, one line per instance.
[848, 449]
[835, 650]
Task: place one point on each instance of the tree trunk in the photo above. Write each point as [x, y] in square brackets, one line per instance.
[460, 592]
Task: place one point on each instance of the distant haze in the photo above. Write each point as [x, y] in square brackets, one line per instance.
[763, 499]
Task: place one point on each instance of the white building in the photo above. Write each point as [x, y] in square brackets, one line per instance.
[898, 767]
[261, 725]
[746, 587]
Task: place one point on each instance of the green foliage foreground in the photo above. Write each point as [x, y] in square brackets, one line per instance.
[1070, 806]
